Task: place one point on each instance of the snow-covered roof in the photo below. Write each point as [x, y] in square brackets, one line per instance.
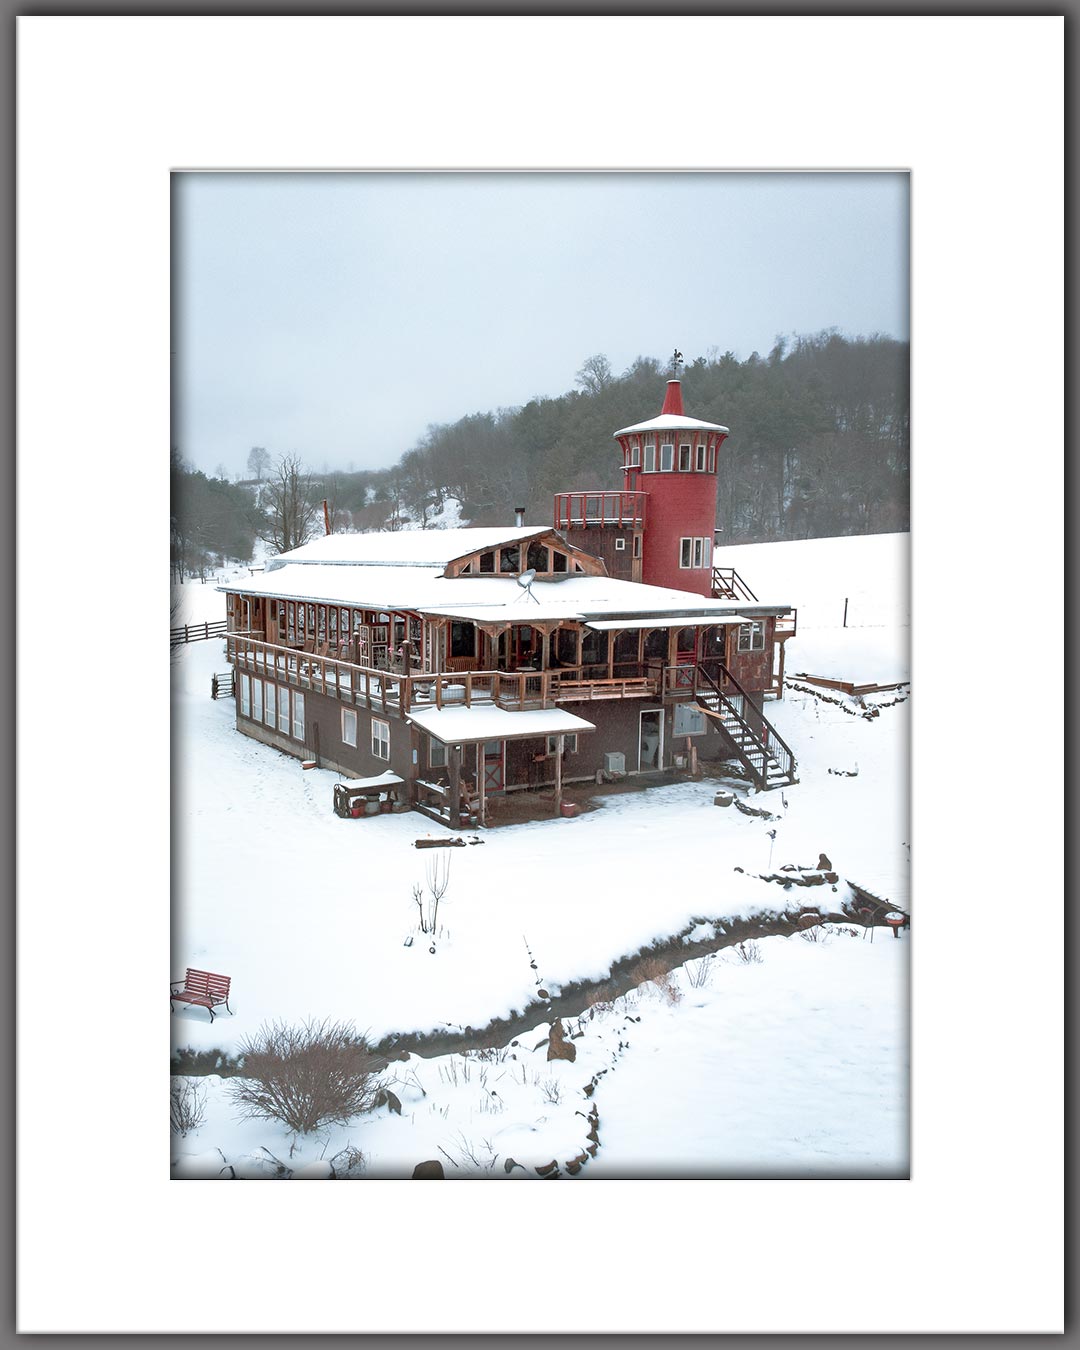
[380, 780]
[467, 726]
[402, 548]
[671, 422]
[487, 599]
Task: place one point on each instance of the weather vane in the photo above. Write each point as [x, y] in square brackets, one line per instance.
[676, 362]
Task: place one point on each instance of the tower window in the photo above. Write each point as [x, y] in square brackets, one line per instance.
[684, 458]
[635, 456]
[712, 458]
[685, 547]
[700, 464]
[650, 456]
[667, 458]
[697, 552]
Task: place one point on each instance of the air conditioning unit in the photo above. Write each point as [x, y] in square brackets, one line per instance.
[615, 762]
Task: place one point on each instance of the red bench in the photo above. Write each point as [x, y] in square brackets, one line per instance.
[203, 989]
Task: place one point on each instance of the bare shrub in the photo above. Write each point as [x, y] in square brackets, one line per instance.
[552, 1090]
[306, 1076]
[699, 973]
[813, 933]
[187, 1106]
[471, 1157]
[748, 953]
[601, 997]
[348, 1164]
[651, 970]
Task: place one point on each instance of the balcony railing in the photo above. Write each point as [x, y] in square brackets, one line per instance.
[580, 509]
[386, 691]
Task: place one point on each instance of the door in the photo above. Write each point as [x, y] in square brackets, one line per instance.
[494, 774]
[651, 741]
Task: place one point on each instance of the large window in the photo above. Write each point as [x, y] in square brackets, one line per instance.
[667, 458]
[298, 715]
[348, 726]
[462, 639]
[380, 738]
[695, 552]
[752, 636]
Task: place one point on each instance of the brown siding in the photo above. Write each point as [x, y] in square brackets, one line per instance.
[601, 544]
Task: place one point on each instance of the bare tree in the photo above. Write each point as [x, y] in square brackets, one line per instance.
[290, 506]
[595, 374]
[258, 463]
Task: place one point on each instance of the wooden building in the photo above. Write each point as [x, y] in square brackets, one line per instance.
[476, 662]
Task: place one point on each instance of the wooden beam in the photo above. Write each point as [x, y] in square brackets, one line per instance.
[481, 785]
[559, 741]
[453, 764]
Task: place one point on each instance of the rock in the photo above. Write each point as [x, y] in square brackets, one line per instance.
[510, 1164]
[542, 993]
[558, 1046]
[429, 1171]
[723, 799]
[824, 865]
[573, 1167]
[548, 1169]
[832, 878]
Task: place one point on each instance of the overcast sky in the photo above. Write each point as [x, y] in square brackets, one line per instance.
[338, 315]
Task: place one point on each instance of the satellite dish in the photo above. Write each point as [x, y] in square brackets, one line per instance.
[525, 580]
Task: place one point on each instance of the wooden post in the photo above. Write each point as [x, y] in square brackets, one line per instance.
[559, 740]
[611, 654]
[481, 786]
[453, 765]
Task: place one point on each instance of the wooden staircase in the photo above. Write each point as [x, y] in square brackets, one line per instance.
[760, 748]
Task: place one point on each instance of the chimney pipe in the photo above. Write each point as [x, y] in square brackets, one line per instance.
[519, 516]
[326, 515]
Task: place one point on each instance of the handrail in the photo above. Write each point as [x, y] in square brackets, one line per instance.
[728, 580]
[772, 742]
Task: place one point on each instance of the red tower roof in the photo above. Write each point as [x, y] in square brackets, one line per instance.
[673, 399]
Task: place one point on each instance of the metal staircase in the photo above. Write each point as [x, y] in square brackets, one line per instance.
[760, 748]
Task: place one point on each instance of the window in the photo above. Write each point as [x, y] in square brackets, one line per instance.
[667, 458]
[537, 557]
[685, 547]
[558, 561]
[752, 636]
[635, 455]
[684, 458]
[487, 562]
[699, 465]
[620, 545]
[283, 711]
[706, 552]
[712, 458]
[509, 559]
[348, 726]
[650, 457]
[256, 700]
[462, 639]
[569, 744]
[298, 715]
[380, 738]
[245, 695]
[436, 753]
[697, 552]
[271, 704]
[637, 545]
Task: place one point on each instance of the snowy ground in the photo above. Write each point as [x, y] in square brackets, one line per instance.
[795, 1064]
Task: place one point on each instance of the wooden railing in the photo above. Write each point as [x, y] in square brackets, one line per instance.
[196, 632]
[601, 507]
[383, 690]
[727, 584]
[717, 678]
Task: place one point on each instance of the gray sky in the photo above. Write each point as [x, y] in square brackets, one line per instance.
[338, 315]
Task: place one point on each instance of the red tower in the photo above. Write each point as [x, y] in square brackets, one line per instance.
[673, 460]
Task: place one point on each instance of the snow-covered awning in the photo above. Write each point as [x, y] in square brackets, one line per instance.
[370, 784]
[665, 621]
[467, 726]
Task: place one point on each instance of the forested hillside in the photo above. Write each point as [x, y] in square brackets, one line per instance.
[818, 448]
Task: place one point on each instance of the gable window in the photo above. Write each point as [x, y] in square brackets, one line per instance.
[298, 715]
[684, 458]
[558, 561]
[487, 562]
[537, 557]
[650, 457]
[509, 559]
[752, 636]
[348, 726]
[271, 704]
[699, 465]
[380, 738]
[667, 458]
